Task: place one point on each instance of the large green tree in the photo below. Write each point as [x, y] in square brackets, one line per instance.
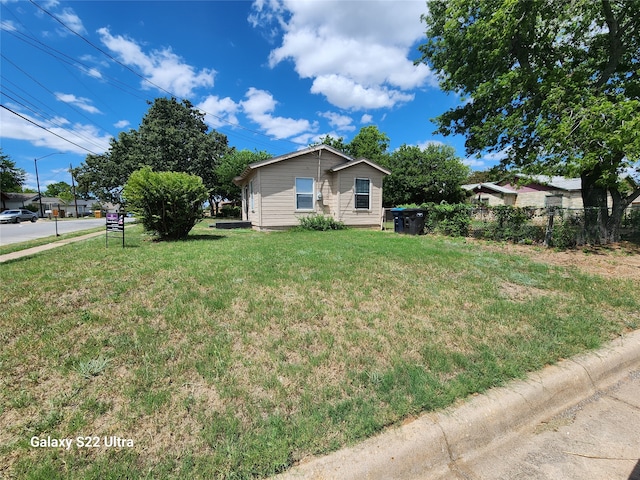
[369, 143]
[231, 166]
[11, 178]
[553, 84]
[55, 189]
[172, 137]
[433, 174]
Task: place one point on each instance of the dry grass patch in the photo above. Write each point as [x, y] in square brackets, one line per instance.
[239, 355]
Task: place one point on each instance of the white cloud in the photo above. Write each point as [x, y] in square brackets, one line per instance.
[60, 134]
[340, 122]
[260, 104]
[71, 20]
[345, 93]
[366, 118]
[487, 160]
[122, 124]
[162, 68]
[475, 163]
[80, 102]
[363, 46]
[8, 26]
[219, 111]
[426, 143]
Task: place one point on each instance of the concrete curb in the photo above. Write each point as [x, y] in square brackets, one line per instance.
[436, 442]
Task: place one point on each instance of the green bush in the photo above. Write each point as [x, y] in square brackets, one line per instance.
[320, 222]
[32, 207]
[168, 203]
[566, 231]
[230, 211]
[453, 219]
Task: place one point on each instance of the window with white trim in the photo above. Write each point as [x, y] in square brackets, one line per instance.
[363, 193]
[304, 193]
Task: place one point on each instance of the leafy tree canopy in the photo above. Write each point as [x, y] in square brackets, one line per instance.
[11, 178]
[55, 189]
[232, 165]
[553, 84]
[496, 173]
[369, 143]
[172, 137]
[433, 174]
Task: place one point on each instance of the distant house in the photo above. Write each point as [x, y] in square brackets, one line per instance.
[17, 200]
[320, 179]
[49, 204]
[538, 191]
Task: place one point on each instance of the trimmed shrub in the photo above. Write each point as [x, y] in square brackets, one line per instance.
[320, 222]
[168, 203]
[453, 219]
[230, 211]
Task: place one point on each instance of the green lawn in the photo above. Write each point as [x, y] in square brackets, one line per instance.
[235, 354]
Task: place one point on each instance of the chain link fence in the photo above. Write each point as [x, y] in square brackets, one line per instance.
[553, 226]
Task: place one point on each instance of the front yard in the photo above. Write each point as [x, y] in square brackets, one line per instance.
[236, 354]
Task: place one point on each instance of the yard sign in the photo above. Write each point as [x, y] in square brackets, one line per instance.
[115, 224]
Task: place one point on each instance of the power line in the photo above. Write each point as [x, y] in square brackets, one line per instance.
[47, 130]
[108, 55]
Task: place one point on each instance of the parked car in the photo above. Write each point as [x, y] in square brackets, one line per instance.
[16, 216]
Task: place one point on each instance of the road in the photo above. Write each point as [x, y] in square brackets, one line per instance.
[21, 232]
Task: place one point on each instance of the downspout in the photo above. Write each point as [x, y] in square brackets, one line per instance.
[318, 181]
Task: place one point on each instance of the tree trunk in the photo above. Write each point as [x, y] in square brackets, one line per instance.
[600, 225]
[596, 212]
[620, 204]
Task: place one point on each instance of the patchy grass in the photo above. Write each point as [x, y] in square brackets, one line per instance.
[238, 354]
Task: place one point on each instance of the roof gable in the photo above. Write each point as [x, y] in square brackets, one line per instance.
[349, 162]
[491, 186]
[353, 163]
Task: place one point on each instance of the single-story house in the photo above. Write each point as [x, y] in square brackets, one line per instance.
[317, 180]
[49, 204]
[11, 201]
[538, 191]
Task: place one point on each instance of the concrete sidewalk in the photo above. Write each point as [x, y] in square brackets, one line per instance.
[43, 248]
[574, 420]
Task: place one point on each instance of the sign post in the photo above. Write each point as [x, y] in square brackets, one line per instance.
[115, 224]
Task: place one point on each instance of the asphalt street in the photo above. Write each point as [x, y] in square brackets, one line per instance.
[22, 232]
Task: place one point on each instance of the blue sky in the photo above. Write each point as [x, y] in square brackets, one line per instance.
[272, 75]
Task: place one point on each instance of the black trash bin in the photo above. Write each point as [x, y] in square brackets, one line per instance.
[398, 220]
[414, 221]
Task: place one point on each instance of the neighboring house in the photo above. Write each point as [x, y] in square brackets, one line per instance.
[320, 179]
[12, 201]
[538, 191]
[49, 204]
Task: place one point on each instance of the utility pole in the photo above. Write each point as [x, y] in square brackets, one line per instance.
[35, 160]
[73, 189]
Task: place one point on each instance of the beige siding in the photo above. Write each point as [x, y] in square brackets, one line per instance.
[344, 202]
[539, 199]
[277, 199]
[494, 199]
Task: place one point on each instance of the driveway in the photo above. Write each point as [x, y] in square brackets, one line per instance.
[21, 232]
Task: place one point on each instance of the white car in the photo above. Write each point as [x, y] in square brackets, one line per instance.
[16, 216]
